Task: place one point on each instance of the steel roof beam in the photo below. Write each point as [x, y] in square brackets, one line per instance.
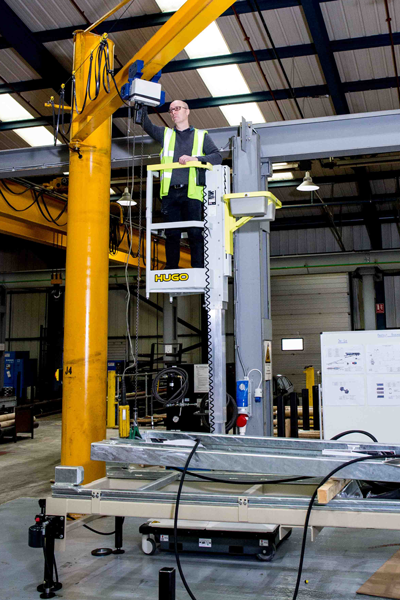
[17, 34]
[313, 91]
[348, 45]
[317, 27]
[142, 21]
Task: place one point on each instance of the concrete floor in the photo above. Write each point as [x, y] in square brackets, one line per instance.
[336, 565]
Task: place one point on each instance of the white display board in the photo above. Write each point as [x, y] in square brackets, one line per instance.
[361, 383]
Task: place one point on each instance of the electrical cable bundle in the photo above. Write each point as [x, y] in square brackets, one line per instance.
[276, 481]
[181, 392]
[230, 402]
[38, 199]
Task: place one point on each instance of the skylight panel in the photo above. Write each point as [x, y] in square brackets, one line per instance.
[233, 113]
[224, 81]
[209, 42]
[11, 110]
[36, 136]
[170, 5]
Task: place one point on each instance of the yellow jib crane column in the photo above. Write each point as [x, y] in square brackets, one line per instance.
[86, 290]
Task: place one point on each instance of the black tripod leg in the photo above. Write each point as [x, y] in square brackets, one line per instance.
[49, 586]
[119, 523]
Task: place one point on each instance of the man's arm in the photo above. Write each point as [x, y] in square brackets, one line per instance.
[154, 131]
[211, 153]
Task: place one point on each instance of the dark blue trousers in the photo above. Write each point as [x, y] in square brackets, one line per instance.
[178, 207]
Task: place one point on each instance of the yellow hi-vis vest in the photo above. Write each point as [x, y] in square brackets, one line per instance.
[167, 156]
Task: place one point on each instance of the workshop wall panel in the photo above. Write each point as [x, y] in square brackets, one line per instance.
[390, 236]
[26, 313]
[302, 307]
[392, 300]
[320, 240]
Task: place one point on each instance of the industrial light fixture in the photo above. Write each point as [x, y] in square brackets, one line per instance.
[285, 166]
[126, 199]
[281, 176]
[307, 184]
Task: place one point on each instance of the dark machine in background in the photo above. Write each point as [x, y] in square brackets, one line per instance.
[191, 413]
[19, 375]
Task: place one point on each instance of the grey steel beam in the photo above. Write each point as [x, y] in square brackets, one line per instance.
[346, 135]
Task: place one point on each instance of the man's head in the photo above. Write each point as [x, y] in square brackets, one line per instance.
[179, 112]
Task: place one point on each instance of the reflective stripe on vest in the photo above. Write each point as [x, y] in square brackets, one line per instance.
[167, 156]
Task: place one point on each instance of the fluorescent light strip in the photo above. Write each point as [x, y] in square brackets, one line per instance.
[11, 110]
[221, 81]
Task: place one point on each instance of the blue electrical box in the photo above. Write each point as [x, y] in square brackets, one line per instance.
[242, 393]
[17, 373]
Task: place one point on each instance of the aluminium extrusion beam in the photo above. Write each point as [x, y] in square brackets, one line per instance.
[346, 135]
[251, 455]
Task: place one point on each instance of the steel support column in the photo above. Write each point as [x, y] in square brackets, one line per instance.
[252, 301]
[86, 299]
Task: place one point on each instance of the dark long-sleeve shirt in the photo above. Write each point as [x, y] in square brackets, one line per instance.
[183, 145]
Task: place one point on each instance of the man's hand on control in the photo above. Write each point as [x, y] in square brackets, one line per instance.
[185, 158]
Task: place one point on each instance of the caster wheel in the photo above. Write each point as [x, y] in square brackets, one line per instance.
[267, 554]
[149, 546]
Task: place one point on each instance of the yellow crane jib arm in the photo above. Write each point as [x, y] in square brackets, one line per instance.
[190, 20]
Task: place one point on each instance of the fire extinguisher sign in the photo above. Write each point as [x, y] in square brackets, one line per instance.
[267, 361]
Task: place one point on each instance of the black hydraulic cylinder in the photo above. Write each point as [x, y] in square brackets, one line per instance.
[315, 395]
[294, 417]
[280, 415]
[166, 583]
[305, 400]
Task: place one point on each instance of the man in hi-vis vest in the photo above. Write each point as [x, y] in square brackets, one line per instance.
[182, 198]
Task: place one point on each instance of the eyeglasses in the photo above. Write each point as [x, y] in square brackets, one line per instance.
[177, 109]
